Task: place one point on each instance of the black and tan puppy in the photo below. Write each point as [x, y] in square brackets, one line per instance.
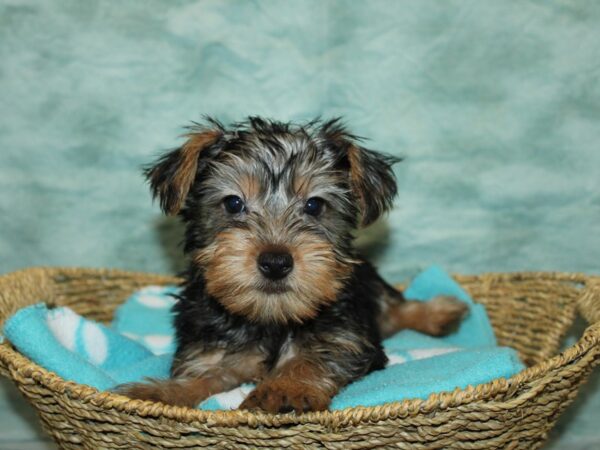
[275, 293]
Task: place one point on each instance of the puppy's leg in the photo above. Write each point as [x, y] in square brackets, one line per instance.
[176, 391]
[436, 317]
[299, 385]
[316, 364]
[198, 374]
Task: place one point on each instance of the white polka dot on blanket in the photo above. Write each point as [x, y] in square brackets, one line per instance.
[232, 399]
[132, 336]
[63, 324]
[155, 301]
[395, 359]
[153, 290]
[424, 353]
[95, 342]
[158, 341]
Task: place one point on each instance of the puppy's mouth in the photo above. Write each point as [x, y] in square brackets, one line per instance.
[274, 287]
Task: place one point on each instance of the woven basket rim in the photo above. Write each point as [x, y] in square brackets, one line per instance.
[353, 415]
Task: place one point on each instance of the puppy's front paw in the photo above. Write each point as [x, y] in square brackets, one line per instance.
[444, 314]
[283, 395]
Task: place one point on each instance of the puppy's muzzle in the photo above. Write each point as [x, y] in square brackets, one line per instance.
[275, 265]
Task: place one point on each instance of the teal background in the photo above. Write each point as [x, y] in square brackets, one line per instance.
[495, 106]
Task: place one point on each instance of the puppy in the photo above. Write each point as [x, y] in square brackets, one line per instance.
[275, 293]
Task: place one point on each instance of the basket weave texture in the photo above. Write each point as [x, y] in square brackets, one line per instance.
[530, 312]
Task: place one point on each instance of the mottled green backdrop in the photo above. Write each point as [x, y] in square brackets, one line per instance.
[495, 106]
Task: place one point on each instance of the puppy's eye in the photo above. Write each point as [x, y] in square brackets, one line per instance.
[314, 206]
[234, 204]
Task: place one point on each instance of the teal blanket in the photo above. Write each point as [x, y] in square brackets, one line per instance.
[140, 344]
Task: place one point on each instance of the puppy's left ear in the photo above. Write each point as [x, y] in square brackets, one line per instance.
[171, 176]
[372, 179]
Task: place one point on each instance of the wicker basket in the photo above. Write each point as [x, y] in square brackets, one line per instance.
[530, 312]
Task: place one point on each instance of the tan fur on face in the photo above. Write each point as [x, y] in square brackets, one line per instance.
[301, 186]
[249, 185]
[233, 279]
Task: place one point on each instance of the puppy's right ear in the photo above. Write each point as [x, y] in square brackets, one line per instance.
[172, 175]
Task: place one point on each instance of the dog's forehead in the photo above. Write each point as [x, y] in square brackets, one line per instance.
[277, 166]
[285, 151]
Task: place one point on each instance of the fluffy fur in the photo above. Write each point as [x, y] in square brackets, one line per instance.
[302, 336]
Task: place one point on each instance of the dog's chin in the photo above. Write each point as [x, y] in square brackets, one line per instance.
[272, 301]
[274, 288]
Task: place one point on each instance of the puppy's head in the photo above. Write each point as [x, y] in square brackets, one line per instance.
[270, 208]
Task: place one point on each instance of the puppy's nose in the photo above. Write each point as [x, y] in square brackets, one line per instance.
[275, 265]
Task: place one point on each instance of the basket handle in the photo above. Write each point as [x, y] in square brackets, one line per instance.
[589, 302]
